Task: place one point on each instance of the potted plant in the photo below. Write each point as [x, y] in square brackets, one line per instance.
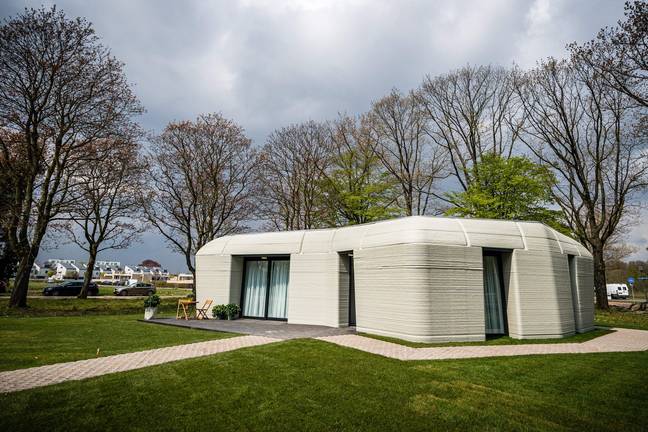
[233, 311]
[151, 304]
[220, 311]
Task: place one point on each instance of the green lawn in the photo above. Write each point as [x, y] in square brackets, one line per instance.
[502, 340]
[27, 342]
[94, 306]
[313, 385]
[622, 318]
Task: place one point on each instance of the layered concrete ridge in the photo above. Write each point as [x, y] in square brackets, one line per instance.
[414, 229]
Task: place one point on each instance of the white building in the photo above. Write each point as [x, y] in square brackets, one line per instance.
[182, 280]
[66, 270]
[417, 278]
[38, 272]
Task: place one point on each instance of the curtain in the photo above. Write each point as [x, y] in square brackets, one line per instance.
[493, 296]
[256, 279]
[278, 289]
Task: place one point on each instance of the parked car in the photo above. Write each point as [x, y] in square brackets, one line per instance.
[140, 288]
[71, 288]
[617, 291]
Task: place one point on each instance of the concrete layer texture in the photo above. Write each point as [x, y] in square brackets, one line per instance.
[417, 278]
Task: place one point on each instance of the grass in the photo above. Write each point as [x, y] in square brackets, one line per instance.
[313, 385]
[93, 306]
[500, 340]
[27, 342]
[619, 317]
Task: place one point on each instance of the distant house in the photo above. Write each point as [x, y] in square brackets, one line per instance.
[138, 273]
[51, 263]
[38, 271]
[185, 280]
[96, 271]
[108, 264]
[66, 270]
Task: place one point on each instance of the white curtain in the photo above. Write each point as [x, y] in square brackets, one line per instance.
[278, 289]
[493, 296]
[256, 279]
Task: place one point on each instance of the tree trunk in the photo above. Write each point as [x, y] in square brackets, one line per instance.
[87, 277]
[599, 278]
[193, 288]
[21, 284]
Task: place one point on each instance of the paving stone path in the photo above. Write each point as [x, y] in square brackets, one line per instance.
[23, 379]
[622, 340]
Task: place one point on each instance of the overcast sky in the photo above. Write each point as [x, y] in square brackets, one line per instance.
[270, 63]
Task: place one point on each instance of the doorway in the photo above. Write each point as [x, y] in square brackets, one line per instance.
[352, 304]
[347, 289]
[265, 288]
[494, 295]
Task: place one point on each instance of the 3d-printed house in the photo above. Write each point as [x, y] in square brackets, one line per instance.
[416, 278]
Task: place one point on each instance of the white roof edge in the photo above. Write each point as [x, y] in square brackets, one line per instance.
[422, 227]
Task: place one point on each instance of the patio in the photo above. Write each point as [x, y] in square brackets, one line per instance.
[267, 328]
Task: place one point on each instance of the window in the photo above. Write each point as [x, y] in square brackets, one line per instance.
[265, 288]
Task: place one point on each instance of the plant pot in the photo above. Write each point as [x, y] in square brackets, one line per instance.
[231, 317]
[149, 313]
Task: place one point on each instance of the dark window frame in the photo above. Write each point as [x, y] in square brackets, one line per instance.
[497, 253]
[269, 259]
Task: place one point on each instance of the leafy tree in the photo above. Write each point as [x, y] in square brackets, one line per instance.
[149, 263]
[355, 188]
[513, 188]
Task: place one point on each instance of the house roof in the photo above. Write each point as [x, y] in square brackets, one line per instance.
[414, 229]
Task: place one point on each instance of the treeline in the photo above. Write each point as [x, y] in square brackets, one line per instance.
[563, 143]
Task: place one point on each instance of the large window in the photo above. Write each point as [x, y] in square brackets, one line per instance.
[265, 288]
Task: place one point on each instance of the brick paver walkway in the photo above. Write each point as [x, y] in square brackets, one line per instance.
[619, 341]
[23, 379]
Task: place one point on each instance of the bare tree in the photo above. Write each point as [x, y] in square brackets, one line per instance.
[397, 124]
[471, 111]
[619, 53]
[60, 91]
[596, 145]
[106, 212]
[202, 183]
[294, 159]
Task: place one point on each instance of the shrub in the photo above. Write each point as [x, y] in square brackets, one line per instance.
[233, 311]
[152, 301]
[220, 311]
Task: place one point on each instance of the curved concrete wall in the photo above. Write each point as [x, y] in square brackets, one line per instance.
[420, 292]
[417, 278]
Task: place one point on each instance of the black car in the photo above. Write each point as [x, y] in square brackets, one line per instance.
[71, 288]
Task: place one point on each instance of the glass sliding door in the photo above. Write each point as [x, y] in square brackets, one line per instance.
[278, 289]
[265, 288]
[493, 305]
[255, 289]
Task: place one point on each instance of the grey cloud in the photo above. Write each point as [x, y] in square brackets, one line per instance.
[271, 63]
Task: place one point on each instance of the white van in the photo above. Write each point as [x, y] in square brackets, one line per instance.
[617, 291]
